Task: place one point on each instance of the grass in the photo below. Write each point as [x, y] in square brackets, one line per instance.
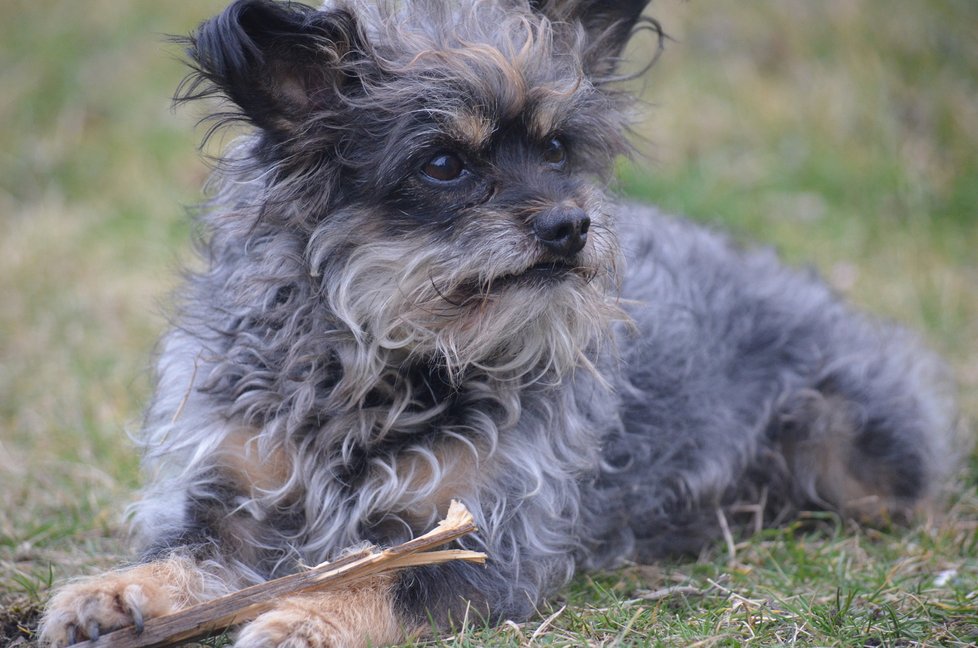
[845, 134]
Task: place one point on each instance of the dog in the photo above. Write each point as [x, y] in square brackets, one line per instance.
[417, 287]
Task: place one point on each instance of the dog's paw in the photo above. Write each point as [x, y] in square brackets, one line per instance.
[89, 608]
[293, 623]
[355, 618]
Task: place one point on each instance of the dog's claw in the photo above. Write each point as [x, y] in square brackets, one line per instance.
[93, 631]
[137, 620]
[72, 632]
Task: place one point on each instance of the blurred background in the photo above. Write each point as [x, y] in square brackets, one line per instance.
[843, 132]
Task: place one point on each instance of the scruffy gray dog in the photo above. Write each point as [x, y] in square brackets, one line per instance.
[416, 289]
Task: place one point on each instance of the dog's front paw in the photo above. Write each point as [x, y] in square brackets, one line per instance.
[88, 608]
[293, 623]
[353, 618]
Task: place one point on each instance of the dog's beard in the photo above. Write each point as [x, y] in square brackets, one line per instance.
[407, 299]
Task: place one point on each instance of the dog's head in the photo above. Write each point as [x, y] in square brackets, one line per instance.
[442, 164]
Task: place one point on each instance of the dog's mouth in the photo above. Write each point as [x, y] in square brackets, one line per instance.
[539, 273]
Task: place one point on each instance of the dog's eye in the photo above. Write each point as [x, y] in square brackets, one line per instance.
[444, 167]
[554, 153]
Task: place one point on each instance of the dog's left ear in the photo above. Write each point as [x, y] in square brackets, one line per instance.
[609, 24]
[279, 62]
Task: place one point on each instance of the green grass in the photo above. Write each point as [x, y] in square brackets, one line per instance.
[843, 133]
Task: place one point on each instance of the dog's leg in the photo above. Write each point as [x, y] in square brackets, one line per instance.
[864, 451]
[874, 433]
[90, 607]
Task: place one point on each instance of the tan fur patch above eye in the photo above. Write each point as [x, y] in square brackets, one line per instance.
[471, 129]
[551, 106]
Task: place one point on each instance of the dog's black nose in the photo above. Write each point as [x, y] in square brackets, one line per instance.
[563, 230]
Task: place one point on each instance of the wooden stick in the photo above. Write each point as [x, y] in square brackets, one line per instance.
[214, 617]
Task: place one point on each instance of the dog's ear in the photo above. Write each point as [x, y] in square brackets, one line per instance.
[608, 24]
[277, 61]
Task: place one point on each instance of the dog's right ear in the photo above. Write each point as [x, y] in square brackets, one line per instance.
[609, 24]
[279, 62]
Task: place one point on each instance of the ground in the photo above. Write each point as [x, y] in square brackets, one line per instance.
[843, 133]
